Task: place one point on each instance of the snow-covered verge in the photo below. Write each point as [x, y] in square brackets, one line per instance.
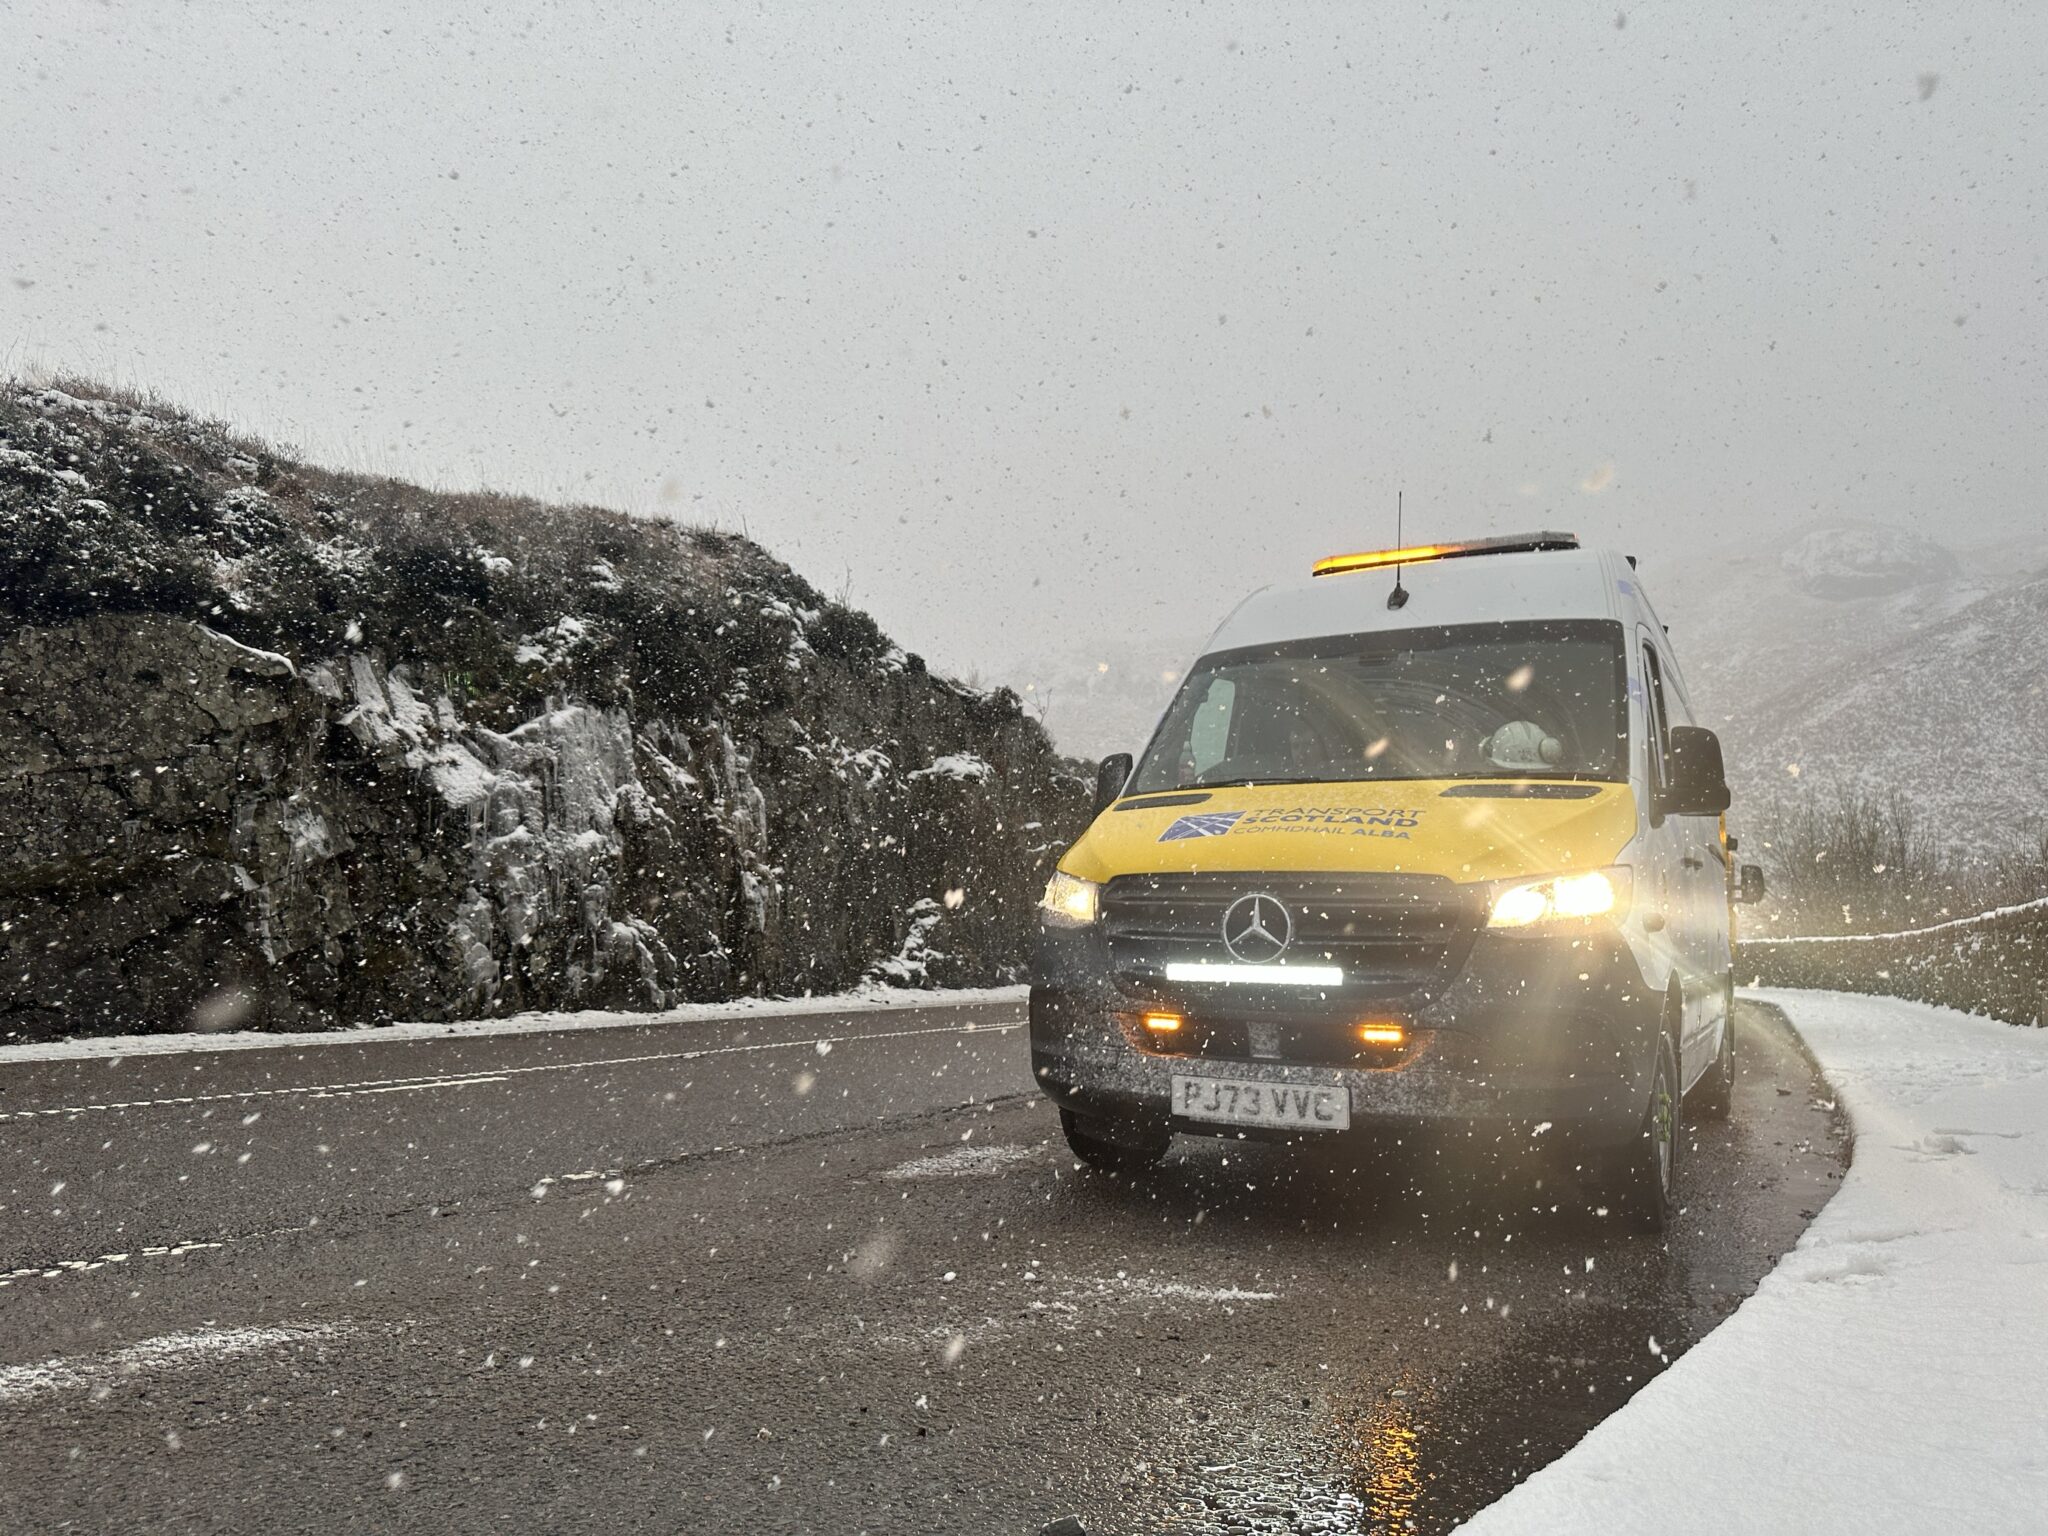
[1888, 1375]
[868, 999]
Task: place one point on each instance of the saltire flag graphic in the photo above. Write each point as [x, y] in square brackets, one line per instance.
[1209, 824]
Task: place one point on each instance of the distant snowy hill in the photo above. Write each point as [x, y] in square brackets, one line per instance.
[1748, 622]
[1952, 713]
[1873, 658]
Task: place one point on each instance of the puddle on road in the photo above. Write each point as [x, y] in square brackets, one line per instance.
[1391, 1478]
[1414, 1456]
[1381, 1447]
[1426, 1459]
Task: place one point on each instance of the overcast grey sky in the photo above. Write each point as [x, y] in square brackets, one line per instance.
[1045, 322]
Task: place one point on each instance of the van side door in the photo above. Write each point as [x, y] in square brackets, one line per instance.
[1688, 857]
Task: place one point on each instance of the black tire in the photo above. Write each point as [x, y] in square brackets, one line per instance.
[1093, 1146]
[1713, 1096]
[1642, 1178]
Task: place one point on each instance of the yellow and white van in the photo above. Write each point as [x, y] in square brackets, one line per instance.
[1430, 838]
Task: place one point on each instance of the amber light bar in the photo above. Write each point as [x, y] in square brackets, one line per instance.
[1382, 1034]
[1163, 1023]
[1422, 554]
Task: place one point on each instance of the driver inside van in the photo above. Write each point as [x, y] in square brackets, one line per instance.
[1523, 744]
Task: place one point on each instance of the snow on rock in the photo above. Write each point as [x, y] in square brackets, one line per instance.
[556, 645]
[1887, 1376]
[912, 962]
[268, 663]
[870, 765]
[955, 765]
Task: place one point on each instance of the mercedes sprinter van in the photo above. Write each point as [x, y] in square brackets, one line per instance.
[1431, 838]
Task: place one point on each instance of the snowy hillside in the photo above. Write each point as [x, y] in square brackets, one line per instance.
[279, 744]
[1748, 621]
[1867, 657]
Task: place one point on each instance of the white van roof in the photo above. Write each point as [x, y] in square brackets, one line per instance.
[1524, 584]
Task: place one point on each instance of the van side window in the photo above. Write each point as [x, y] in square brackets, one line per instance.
[1658, 726]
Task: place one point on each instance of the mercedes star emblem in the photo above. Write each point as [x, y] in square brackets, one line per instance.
[1257, 928]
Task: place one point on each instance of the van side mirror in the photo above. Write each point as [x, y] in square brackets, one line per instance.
[1696, 784]
[1749, 887]
[1110, 777]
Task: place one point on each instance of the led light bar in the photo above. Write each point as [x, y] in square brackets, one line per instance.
[1422, 554]
[1268, 975]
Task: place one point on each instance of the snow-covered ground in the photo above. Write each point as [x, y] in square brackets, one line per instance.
[1892, 1373]
[866, 1000]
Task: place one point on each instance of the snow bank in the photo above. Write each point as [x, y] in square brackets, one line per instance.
[1888, 1375]
[868, 999]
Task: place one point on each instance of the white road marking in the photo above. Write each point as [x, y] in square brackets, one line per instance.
[170, 1351]
[1008, 1301]
[61, 1267]
[964, 1162]
[1123, 1288]
[413, 1087]
[1173, 1290]
[500, 1074]
[311, 1090]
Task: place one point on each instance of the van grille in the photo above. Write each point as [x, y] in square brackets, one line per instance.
[1397, 937]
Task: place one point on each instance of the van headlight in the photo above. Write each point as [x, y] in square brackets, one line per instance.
[1561, 899]
[1069, 901]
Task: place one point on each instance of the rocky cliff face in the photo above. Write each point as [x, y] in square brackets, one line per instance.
[283, 747]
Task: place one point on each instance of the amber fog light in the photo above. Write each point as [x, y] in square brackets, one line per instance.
[1382, 1034]
[1163, 1023]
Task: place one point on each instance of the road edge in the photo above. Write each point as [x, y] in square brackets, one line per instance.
[173, 1043]
[1792, 1410]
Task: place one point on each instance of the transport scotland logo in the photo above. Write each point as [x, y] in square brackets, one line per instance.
[1209, 824]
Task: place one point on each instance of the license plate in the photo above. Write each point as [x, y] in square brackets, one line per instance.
[1250, 1101]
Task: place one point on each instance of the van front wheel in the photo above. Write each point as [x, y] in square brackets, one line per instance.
[1092, 1145]
[1642, 1179]
[1713, 1097]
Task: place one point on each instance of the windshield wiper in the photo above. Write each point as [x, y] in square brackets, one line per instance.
[1260, 779]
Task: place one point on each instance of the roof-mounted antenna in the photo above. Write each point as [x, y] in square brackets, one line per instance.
[1398, 598]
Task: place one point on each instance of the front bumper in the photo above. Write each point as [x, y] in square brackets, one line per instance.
[1531, 1031]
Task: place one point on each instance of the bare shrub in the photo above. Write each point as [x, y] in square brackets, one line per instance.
[1863, 901]
[1845, 860]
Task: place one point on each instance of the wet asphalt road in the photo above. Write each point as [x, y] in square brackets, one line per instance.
[828, 1274]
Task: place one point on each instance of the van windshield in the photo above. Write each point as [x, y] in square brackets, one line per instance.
[1473, 701]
